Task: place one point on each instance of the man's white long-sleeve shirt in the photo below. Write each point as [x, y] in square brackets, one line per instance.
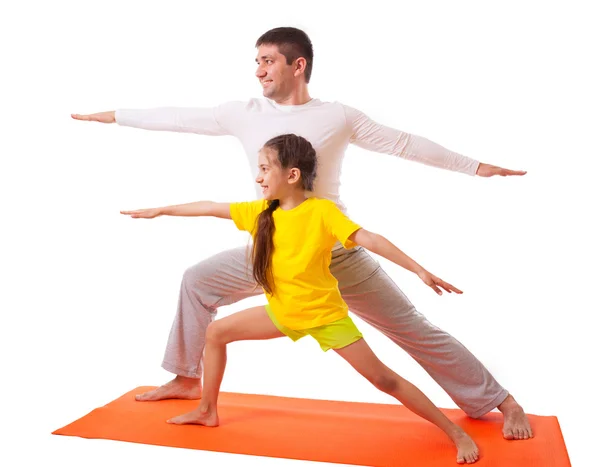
[329, 126]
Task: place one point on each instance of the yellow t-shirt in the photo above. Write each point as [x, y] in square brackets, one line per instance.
[306, 294]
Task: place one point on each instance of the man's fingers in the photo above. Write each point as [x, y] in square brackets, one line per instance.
[507, 172]
[513, 172]
[102, 117]
[488, 170]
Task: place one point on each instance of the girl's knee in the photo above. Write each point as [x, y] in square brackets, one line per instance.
[216, 333]
[386, 382]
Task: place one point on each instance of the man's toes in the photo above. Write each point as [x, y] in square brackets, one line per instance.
[460, 460]
[509, 434]
[146, 397]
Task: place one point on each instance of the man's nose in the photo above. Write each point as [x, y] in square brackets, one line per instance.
[260, 72]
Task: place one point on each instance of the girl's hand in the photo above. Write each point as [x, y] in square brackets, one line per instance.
[143, 213]
[435, 283]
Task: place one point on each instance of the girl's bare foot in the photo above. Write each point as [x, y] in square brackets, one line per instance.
[181, 387]
[468, 452]
[200, 416]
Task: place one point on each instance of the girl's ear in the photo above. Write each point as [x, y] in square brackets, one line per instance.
[293, 176]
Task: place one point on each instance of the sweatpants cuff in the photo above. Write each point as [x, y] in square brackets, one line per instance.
[180, 371]
[491, 406]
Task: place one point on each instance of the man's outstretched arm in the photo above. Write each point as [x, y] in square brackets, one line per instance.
[215, 121]
[376, 137]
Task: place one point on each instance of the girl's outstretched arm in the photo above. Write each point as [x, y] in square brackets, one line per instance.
[199, 208]
[383, 247]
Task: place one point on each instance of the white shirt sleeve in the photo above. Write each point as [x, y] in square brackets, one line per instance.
[370, 135]
[212, 121]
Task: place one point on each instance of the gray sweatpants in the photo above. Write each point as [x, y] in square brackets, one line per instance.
[226, 278]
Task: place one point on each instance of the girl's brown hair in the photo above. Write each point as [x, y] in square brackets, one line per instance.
[292, 152]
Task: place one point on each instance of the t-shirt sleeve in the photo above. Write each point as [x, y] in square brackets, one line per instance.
[244, 215]
[338, 224]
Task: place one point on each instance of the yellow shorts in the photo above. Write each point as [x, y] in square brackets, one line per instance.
[336, 335]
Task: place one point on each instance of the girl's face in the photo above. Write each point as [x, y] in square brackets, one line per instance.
[275, 181]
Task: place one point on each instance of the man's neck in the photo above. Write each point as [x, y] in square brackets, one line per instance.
[299, 96]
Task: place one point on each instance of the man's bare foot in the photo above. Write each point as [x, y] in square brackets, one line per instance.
[516, 425]
[181, 387]
[200, 416]
[468, 452]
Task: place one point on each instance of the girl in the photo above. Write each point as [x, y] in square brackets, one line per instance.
[292, 241]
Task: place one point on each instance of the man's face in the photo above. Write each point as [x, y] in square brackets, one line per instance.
[275, 75]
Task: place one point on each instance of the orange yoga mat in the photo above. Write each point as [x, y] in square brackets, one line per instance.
[317, 430]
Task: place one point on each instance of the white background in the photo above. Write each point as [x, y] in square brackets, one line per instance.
[88, 296]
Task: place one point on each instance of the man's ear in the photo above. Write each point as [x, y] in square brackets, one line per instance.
[299, 66]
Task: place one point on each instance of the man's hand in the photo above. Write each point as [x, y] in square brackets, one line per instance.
[102, 117]
[487, 170]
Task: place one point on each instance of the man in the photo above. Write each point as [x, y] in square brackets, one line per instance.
[284, 59]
